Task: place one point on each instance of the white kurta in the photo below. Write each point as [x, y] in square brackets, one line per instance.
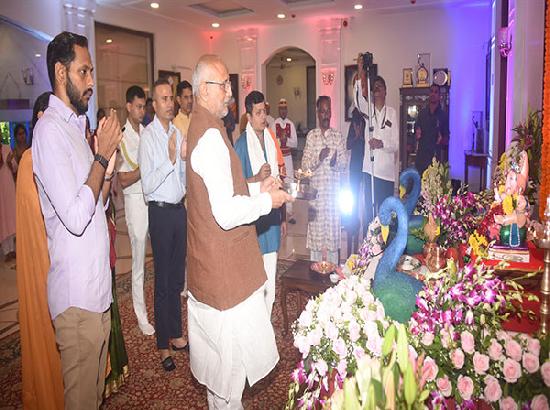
[323, 230]
[215, 336]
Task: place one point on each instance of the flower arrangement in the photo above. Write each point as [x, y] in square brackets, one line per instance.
[459, 324]
[394, 380]
[457, 217]
[333, 333]
[435, 184]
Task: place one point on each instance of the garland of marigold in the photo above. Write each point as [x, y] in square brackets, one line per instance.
[545, 151]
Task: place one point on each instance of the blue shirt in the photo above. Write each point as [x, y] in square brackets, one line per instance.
[268, 227]
[76, 227]
[161, 180]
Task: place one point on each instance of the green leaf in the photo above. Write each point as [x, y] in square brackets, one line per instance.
[402, 349]
[350, 395]
[410, 386]
[388, 340]
[423, 396]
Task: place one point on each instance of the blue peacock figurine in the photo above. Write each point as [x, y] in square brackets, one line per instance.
[410, 176]
[396, 290]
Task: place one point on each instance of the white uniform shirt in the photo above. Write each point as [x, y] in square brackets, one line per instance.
[129, 150]
[216, 335]
[386, 128]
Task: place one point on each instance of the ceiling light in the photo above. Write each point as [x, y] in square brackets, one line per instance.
[155, 5]
[215, 25]
[288, 59]
[281, 16]
[109, 40]
[38, 55]
[358, 7]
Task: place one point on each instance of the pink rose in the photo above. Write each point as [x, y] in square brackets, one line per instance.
[429, 369]
[465, 387]
[545, 371]
[511, 370]
[533, 346]
[495, 350]
[444, 386]
[513, 349]
[530, 362]
[508, 403]
[468, 342]
[539, 402]
[481, 363]
[457, 358]
[492, 390]
[427, 338]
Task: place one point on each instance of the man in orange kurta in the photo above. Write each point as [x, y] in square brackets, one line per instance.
[42, 378]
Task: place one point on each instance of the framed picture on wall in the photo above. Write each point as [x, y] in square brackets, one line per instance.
[173, 78]
[234, 80]
[350, 73]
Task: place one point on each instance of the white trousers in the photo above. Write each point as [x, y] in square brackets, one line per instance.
[137, 220]
[238, 380]
[270, 266]
[290, 173]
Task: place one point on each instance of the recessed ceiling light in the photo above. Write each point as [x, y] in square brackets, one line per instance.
[38, 55]
[289, 59]
[358, 6]
[281, 16]
[215, 25]
[155, 5]
[109, 40]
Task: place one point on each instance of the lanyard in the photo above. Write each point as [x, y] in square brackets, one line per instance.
[383, 119]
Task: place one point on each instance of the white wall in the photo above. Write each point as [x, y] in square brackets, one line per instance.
[41, 15]
[456, 37]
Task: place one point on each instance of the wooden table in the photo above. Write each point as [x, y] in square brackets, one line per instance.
[301, 279]
[475, 159]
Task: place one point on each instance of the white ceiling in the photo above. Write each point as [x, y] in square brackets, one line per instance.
[235, 14]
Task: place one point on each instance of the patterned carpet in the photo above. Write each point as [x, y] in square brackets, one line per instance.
[148, 386]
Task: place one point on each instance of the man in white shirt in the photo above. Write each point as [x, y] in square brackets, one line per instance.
[135, 207]
[231, 338]
[383, 146]
[285, 131]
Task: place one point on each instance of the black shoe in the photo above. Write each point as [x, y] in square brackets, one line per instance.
[292, 221]
[168, 364]
[178, 349]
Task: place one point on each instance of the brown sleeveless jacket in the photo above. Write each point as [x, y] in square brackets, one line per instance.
[223, 267]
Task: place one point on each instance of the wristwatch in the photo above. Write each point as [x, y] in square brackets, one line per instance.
[102, 160]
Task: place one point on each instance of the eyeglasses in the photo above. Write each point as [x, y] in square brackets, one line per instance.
[226, 84]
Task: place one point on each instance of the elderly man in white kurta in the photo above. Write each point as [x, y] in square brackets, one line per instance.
[325, 155]
[230, 333]
[135, 207]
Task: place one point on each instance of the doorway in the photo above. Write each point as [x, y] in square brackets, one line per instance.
[290, 74]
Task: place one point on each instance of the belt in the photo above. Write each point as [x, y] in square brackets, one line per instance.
[160, 204]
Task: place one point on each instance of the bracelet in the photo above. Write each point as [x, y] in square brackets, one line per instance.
[109, 177]
[102, 160]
